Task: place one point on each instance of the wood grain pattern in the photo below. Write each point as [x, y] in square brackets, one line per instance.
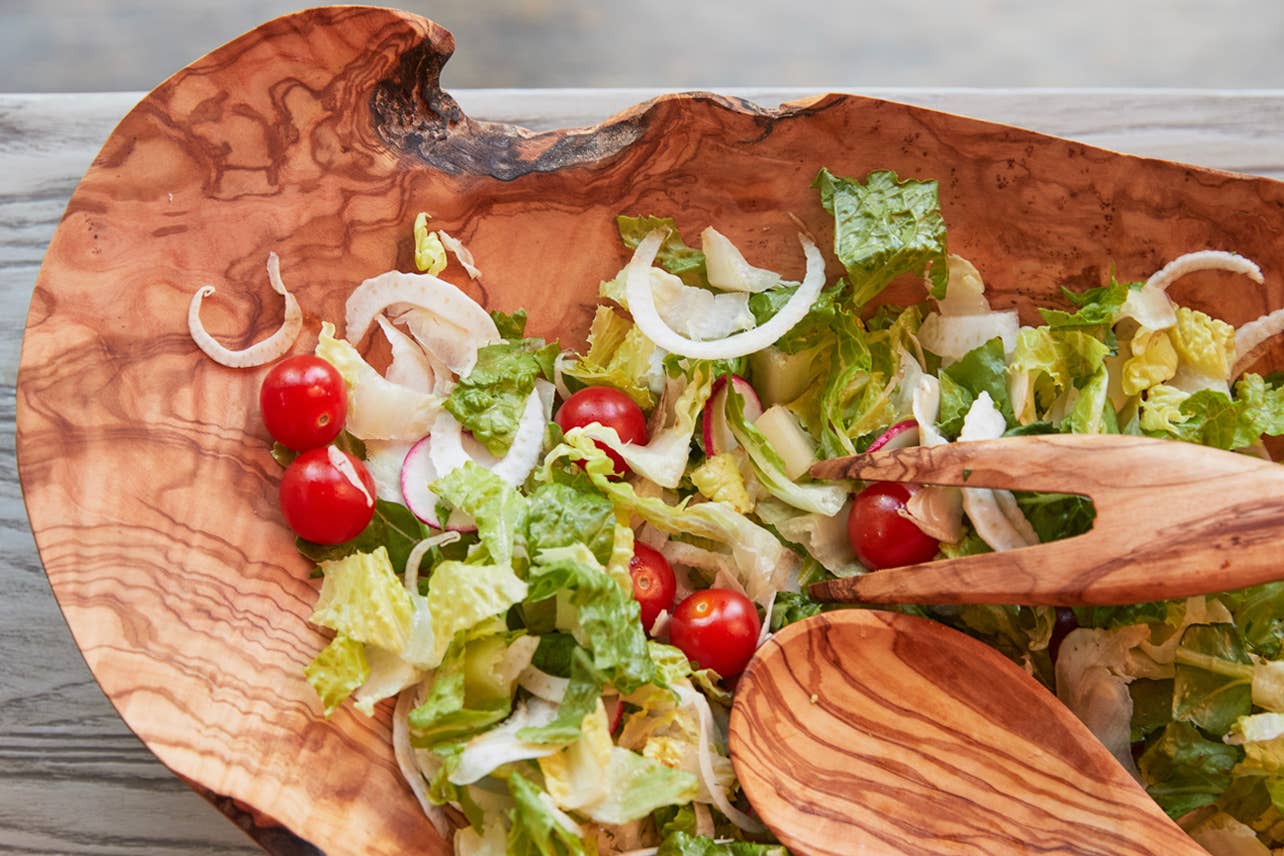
[879, 733]
[1173, 520]
[179, 582]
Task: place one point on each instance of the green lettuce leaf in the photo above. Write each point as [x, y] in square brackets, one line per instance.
[619, 355]
[762, 560]
[581, 698]
[535, 829]
[769, 467]
[883, 228]
[461, 596]
[511, 325]
[1096, 307]
[363, 599]
[393, 527]
[604, 617]
[982, 369]
[490, 401]
[1054, 516]
[687, 263]
[473, 687]
[1205, 691]
[499, 510]
[560, 516]
[1206, 346]
[1183, 770]
[681, 843]
[337, 671]
[1259, 615]
[1092, 412]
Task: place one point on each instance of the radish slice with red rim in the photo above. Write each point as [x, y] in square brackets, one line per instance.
[899, 436]
[717, 433]
[417, 473]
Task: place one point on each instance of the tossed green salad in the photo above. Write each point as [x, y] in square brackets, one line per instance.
[558, 563]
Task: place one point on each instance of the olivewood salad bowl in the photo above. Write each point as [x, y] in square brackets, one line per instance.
[319, 136]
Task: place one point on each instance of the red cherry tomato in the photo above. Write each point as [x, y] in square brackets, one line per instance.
[606, 406]
[321, 503]
[881, 537]
[653, 583]
[717, 629]
[304, 402]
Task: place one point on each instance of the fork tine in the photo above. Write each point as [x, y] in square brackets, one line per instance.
[1100, 466]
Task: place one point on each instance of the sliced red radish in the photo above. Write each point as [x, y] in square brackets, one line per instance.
[417, 472]
[717, 434]
[899, 436]
[614, 712]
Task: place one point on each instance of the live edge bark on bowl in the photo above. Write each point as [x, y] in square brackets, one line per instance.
[319, 136]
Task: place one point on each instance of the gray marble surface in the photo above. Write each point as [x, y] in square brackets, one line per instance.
[73, 779]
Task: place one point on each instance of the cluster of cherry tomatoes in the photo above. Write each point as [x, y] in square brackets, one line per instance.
[304, 402]
[716, 628]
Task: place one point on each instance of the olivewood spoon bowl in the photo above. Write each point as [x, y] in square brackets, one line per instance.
[871, 732]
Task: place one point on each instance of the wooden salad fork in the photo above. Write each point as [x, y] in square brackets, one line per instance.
[1173, 520]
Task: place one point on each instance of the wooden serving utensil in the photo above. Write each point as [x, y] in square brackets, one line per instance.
[1173, 520]
[872, 732]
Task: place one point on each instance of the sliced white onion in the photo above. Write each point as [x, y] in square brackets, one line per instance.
[407, 760]
[445, 320]
[1251, 337]
[642, 307]
[417, 556]
[727, 268]
[461, 252]
[983, 506]
[543, 685]
[704, 755]
[260, 352]
[698, 313]
[937, 511]
[1151, 307]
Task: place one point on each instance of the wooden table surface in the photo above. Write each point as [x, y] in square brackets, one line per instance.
[73, 779]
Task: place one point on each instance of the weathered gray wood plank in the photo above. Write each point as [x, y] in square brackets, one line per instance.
[72, 777]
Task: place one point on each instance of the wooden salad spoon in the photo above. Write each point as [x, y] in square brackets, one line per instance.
[1173, 520]
[872, 732]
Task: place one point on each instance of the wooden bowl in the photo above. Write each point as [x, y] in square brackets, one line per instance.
[319, 136]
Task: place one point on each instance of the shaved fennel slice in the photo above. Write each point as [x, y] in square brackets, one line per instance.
[409, 761]
[696, 312]
[727, 268]
[965, 290]
[261, 352]
[642, 306]
[411, 365]
[1251, 338]
[461, 252]
[501, 745]
[988, 513]
[952, 336]
[704, 716]
[378, 409]
[543, 685]
[446, 321]
[1150, 306]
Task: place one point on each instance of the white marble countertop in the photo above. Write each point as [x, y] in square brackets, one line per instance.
[73, 779]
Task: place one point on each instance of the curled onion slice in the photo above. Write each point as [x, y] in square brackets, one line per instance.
[1251, 337]
[1150, 306]
[260, 352]
[642, 306]
[408, 759]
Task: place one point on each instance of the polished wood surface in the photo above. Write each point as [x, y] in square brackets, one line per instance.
[881, 734]
[64, 749]
[1173, 520]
